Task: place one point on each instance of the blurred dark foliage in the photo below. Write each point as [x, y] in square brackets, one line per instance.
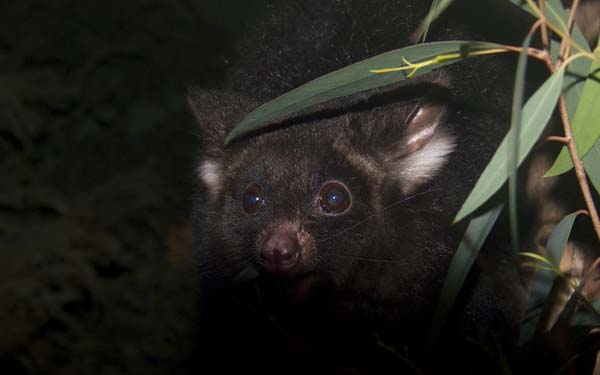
[96, 155]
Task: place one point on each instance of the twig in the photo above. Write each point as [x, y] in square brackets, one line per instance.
[544, 30]
[533, 52]
[578, 166]
[565, 47]
[557, 138]
[564, 36]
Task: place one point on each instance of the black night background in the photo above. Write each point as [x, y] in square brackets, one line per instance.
[96, 175]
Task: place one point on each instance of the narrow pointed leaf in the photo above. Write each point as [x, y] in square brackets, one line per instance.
[544, 278]
[536, 113]
[355, 78]
[523, 5]
[585, 124]
[558, 15]
[591, 163]
[565, 317]
[515, 126]
[577, 70]
[473, 239]
[437, 8]
[575, 76]
[559, 237]
[586, 318]
[554, 11]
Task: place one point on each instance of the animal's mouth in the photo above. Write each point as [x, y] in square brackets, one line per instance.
[281, 265]
[293, 286]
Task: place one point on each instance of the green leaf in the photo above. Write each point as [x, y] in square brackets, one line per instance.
[587, 318]
[515, 127]
[577, 70]
[536, 113]
[437, 8]
[585, 124]
[544, 278]
[561, 325]
[557, 15]
[475, 235]
[523, 5]
[591, 163]
[559, 237]
[355, 78]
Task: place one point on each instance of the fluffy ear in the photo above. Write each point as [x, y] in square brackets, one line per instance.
[216, 113]
[413, 142]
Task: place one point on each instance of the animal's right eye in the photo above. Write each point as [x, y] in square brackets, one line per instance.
[252, 200]
[334, 198]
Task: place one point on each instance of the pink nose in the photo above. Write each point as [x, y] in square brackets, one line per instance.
[280, 252]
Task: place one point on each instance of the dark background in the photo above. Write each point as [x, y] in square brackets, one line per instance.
[96, 178]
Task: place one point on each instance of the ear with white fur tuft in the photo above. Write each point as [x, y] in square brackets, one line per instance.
[216, 113]
[210, 173]
[423, 148]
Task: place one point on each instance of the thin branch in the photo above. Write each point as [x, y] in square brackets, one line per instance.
[544, 30]
[578, 165]
[561, 33]
[565, 47]
[532, 52]
[573, 58]
[556, 138]
[572, 14]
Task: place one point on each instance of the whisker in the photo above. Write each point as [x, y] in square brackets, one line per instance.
[369, 217]
[369, 259]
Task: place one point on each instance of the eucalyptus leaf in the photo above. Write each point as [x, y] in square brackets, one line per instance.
[561, 324]
[575, 78]
[544, 278]
[587, 318]
[437, 8]
[523, 5]
[578, 69]
[356, 78]
[468, 249]
[553, 10]
[536, 113]
[591, 163]
[515, 126]
[558, 15]
[585, 124]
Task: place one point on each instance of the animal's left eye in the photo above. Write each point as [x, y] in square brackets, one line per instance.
[334, 198]
[252, 200]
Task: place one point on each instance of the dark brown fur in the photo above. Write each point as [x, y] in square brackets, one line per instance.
[377, 268]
